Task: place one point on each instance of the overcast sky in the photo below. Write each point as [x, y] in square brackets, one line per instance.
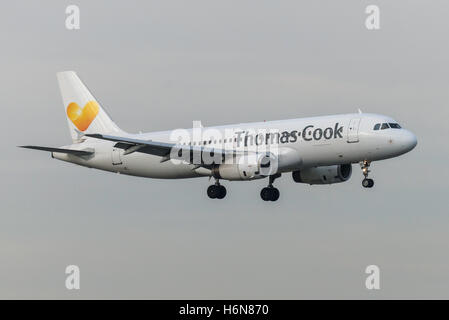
[158, 65]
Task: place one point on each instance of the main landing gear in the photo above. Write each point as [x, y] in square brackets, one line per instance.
[216, 191]
[366, 183]
[270, 193]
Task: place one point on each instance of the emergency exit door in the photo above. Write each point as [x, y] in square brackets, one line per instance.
[353, 130]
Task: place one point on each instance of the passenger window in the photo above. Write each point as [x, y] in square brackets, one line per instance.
[384, 126]
[377, 126]
[395, 125]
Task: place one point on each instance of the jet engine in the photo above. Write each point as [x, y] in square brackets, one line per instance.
[323, 175]
[247, 167]
[258, 165]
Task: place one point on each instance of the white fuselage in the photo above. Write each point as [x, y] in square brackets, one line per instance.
[319, 141]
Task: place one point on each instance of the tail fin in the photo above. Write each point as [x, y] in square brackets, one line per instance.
[84, 113]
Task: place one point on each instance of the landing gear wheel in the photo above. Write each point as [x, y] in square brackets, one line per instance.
[367, 183]
[212, 192]
[274, 194]
[265, 194]
[221, 192]
[216, 191]
[269, 194]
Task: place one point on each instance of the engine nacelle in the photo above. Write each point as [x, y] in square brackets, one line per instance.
[258, 165]
[247, 168]
[323, 175]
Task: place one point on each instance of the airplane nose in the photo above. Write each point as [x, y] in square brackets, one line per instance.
[408, 140]
[412, 141]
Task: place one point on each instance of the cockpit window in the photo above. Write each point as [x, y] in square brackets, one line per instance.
[395, 125]
[376, 126]
[384, 126]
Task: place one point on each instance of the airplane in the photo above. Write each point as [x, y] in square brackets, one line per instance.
[315, 150]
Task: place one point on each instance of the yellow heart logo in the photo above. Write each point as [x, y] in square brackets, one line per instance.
[82, 118]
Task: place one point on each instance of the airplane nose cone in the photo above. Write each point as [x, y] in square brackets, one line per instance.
[407, 141]
[410, 140]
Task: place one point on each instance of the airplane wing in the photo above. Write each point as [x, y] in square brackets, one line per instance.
[162, 149]
[136, 145]
[60, 150]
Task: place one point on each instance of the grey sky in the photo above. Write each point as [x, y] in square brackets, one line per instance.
[158, 65]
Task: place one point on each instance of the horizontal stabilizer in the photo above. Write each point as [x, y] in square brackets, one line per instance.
[60, 150]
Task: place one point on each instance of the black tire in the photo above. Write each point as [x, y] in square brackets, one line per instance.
[221, 192]
[366, 183]
[274, 194]
[371, 183]
[212, 192]
[265, 194]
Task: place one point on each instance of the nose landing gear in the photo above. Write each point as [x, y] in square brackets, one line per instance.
[216, 191]
[366, 183]
[270, 193]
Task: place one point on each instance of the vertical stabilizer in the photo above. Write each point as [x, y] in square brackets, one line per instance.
[84, 113]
